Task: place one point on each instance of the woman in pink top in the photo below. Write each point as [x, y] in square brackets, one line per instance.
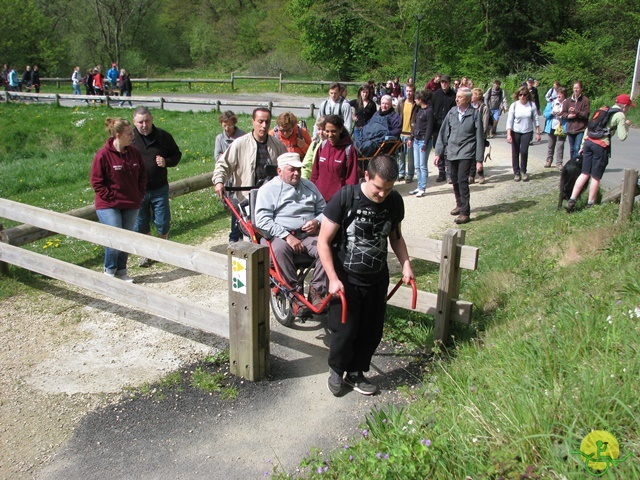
[336, 162]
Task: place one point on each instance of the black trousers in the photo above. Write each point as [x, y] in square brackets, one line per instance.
[460, 178]
[354, 343]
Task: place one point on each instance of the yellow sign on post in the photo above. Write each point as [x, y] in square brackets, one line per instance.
[239, 275]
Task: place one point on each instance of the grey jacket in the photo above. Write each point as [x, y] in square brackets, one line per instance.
[461, 140]
[282, 208]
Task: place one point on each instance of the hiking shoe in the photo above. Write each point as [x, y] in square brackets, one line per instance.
[559, 165]
[315, 297]
[408, 180]
[455, 211]
[335, 383]
[589, 204]
[146, 262]
[570, 206]
[460, 219]
[525, 177]
[547, 164]
[441, 178]
[516, 177]
[413, 192]
[481, 179]
[126, 278]
[299, 308]
[420, 194]
[360, 384]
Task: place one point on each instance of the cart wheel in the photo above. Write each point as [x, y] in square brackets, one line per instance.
[282, 310]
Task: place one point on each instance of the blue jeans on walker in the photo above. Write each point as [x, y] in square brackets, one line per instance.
[115, 261]
[421, 151]
[408, 155]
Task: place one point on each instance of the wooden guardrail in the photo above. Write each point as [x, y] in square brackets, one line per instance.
[231, 81]
[108, 100]
[150, 300]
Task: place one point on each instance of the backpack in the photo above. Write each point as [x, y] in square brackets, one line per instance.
[349, 197]
[597, 126]
[324, 108]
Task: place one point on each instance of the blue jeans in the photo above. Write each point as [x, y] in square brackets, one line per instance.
[154, 204]
[125, 93]
[421, 160]
[76, 89]
[408, 155]
[115, 261]
[574, 139]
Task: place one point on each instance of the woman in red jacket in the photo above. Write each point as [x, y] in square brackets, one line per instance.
[295, 138]
[119, 180]
[336, 162]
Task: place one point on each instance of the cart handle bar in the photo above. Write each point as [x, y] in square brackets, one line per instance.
[414, 299]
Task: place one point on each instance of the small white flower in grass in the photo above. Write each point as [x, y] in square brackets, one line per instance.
[474, 440]
[637, 312]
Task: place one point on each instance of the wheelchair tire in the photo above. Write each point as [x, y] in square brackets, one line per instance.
[282, 309]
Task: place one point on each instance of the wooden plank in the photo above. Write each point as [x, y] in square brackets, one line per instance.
[147, 299]
[445, 286]
[184, 256]
[460, 311]
[431, 250]
[629, 185]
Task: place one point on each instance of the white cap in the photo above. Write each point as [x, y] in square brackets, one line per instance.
[289, 158]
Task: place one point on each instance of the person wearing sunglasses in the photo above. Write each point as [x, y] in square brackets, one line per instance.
[521, 123]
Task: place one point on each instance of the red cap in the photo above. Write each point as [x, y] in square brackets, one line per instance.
[624, 99]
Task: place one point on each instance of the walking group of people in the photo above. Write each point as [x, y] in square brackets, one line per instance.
[30, 79]
[322, 204]
[95, 83]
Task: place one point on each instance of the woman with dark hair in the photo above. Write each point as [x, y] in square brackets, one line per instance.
[119, 180]
[362, 109]
[336, 162]
[421, 139]
[521, 121]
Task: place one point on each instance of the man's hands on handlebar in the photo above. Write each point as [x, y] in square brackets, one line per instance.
[219, 188]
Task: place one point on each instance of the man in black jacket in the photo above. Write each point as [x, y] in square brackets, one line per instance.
[159, 152]
[443, 100]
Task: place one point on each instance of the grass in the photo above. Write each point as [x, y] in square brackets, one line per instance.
[552, 354]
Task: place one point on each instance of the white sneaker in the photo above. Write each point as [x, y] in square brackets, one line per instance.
[414, 192]
[420, 193]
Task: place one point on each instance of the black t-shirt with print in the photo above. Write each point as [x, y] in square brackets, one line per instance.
[361, 254]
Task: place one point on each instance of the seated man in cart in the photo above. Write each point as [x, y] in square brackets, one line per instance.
[384, 124]
[288, 212]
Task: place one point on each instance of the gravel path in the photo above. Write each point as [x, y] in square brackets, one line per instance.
[67, 355]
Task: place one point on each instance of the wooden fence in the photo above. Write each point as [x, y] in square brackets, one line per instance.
[109, 100]
[231, 81]
[250, 357]
[625, 193]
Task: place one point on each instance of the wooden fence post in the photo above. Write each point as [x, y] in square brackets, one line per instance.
[248, 310]
[312, 107]
[161, 103]
[628, 194]
[57, 102]
[4, 270]
[218, 105]
[270, 107]
[232, 80]
[280, 82]
[446, 285]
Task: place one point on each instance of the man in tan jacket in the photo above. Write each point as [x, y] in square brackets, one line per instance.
[245, 161]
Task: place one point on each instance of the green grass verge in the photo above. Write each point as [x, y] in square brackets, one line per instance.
[552, 354]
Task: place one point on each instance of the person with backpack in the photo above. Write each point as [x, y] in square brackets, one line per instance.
[596, 148]
[461, 140]
[521, 123]
[336, 161]
[496, 100]
[336, 105]
[295, 138]
[353, 251]
[575, 111]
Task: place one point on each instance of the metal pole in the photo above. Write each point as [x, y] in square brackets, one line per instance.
[635, 84]
[415, 52]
